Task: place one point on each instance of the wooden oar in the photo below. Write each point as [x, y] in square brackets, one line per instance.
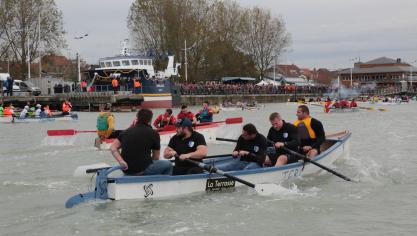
[298, 155]
[262, 189]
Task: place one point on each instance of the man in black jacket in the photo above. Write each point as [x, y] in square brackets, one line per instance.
[310, 131]
[249, 152]
[283, 134]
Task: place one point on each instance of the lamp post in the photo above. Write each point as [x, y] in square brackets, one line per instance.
[185, 58]
[411, 74]
[78, 59]
[351, 72]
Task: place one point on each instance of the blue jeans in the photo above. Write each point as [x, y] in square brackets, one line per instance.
[159, 167]
[236, 164]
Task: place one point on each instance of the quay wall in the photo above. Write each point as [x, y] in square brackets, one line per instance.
[196, 100]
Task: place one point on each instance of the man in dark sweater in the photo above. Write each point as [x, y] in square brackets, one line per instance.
[283, 134]
[310, 132]
[249, 152]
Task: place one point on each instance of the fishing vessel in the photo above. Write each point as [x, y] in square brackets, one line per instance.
[118, 187]
[13, 119]
[155, 86]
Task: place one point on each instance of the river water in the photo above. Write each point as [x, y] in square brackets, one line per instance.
[36, 180]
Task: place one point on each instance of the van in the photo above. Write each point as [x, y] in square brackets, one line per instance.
[3, 77]
[26, 86]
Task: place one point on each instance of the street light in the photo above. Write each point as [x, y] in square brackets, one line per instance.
[411, 74]
[185, 58]
[351, 72]
[78, 58]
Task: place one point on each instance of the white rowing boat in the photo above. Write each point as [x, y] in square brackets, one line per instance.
[161, 186]
[11, 119]
[230, 128]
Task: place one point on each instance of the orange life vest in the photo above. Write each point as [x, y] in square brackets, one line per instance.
[7, 111]
[136, 84]
[115, 83]
[307, 124]
[65, 107]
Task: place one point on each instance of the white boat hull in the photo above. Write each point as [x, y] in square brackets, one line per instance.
[163, 186]
[9, 119]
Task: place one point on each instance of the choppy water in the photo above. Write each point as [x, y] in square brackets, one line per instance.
[36, 180]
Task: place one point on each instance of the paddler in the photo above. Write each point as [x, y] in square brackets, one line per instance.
[8, 110]
[38, 111]
[337, 104]
[66, 107]
[283, 134]
[1, 110]
[140, 148]
[105, 123]
[310, 132]
[353, 103]
[165, 119]
[249, 152]
[327, 105]
[24, 113]
[186, 144]
[344, 104]
[185, 113]
[206, 114]
[46, 111]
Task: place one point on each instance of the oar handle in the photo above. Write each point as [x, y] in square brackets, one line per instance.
[212, 169]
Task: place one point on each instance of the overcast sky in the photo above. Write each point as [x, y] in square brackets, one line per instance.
[325, 33]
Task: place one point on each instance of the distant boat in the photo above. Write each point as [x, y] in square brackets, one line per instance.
[155, 85]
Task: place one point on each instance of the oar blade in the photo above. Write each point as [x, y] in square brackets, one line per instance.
[62, 132]
[234, 120]
[269, 189]
[79, 198]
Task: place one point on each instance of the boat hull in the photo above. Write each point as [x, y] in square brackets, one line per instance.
[9, 119]
[142, 187]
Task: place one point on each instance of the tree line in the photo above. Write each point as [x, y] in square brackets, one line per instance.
[223, 38]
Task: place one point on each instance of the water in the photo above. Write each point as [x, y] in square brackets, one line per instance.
[36, 180]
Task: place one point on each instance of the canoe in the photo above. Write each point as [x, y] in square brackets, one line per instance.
[241, 108]
[119, 187]
[210, 131]
[342, 110]
[10, 119]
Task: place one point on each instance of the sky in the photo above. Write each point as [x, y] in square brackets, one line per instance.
[325, 33]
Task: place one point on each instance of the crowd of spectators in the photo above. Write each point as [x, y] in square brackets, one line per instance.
[248, 88]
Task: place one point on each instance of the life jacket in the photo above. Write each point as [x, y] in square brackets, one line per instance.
[353, 104]
[206, 115]
[115, 83]
[136, 84]
[102, 123]
[1, 111]
[327, 105]
[7, 111]
[166, 120]
[65, 107]
[304, 128]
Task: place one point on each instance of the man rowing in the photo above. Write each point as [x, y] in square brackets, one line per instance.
[66, 108]
[164, 119]
[353, 103]
[206, 114]
[283, 134]
[249, 152]
[310, 132]
[24, 113]
[38, 111]
[185, 113]
[140, 156]
[186, 144]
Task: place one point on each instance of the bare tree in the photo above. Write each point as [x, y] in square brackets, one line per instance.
[19, 21]
[264, 37]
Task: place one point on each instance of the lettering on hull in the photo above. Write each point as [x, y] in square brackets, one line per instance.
[219, 184]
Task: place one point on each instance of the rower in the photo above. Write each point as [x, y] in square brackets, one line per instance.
[66, 107]
[24, 113]
[185, 113]
[337, 104]
[8, 110]
[249, 152]
[206, 114]
[38, 110]
[46, 111]
[310, 132]
[353, 103]
[1, 110]
[283, 134]
[164, 119]
[105, 124]
[327, 105]
[140, 156]
[344, 103]
[186, 144]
